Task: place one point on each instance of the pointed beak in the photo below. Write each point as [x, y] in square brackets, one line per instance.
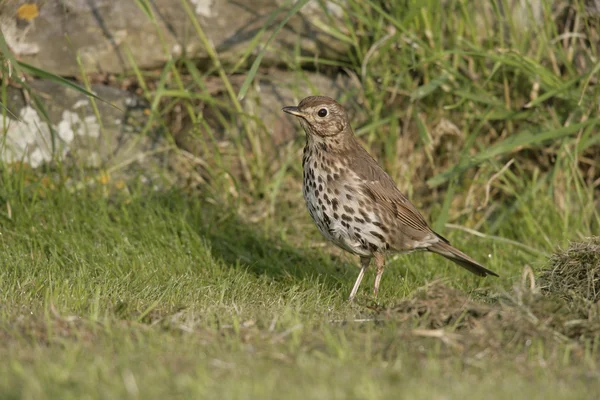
[294, 111]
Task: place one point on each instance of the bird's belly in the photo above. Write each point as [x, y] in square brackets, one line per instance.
[338, 218]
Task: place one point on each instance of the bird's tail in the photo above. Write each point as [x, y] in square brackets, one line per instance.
[453, 254]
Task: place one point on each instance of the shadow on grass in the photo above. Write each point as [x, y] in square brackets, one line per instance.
[245, 245]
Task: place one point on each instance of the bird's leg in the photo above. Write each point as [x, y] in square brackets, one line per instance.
[364, 264]
[380, 265]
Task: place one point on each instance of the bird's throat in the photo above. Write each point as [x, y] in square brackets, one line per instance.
[342, 142]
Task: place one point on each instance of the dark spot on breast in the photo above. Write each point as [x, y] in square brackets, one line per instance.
[336, 176]
[345, 224]
[377, 235]
[329, 178]
[320, 187]
[349, 196]
[317, 193]
[320, 179]
[349, 209]
[359, 220]
[335, 203]
[346, 217]
[326, 219]
[323, 146]
[372, 247]
[336, 191]
[363, 242]
[365, 216]
[380, 226]
[336, 216]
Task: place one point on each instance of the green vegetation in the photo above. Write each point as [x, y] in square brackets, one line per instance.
[225, 290]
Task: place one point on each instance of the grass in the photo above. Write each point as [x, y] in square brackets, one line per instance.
[226, 289]
[165, 295]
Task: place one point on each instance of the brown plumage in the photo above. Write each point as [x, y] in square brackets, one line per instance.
[353, 202]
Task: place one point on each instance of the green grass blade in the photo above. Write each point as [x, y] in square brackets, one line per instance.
[512, 143]
[40, 73]
[254, 68]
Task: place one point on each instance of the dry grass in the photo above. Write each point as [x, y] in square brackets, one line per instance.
[562, 310]
[574, 273]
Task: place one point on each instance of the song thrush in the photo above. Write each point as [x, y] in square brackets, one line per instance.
[354, 203]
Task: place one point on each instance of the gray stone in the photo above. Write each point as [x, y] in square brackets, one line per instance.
[74, 134]
[101, 31]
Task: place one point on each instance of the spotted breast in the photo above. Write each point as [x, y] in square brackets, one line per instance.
[341, 214]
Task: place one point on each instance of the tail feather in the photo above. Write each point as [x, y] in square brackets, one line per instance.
[453, 254]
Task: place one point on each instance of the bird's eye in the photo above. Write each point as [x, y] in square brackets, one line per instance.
[322, 112]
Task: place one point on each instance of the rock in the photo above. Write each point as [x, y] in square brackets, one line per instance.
[74, 135]
[50, 33]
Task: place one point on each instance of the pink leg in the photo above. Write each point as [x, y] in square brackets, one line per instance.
[380, 265]
[364, 264]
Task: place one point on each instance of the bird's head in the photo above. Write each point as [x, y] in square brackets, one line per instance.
[321, 116]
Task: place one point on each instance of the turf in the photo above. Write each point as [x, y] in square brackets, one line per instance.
[167, 295]
[216, 283]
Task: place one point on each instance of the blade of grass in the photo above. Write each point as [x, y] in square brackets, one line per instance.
[442, 218]
[86, 82]
[256, 39]
[40, 73]
[209, 47]
[254, 68]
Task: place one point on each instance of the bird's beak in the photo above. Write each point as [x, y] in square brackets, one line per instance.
[294, 111]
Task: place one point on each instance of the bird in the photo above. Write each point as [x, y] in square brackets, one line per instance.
[355, 204]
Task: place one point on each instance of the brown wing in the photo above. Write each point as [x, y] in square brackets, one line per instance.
[381, 188]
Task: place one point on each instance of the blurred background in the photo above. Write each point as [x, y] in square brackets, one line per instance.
[474, 108]
[146, 168]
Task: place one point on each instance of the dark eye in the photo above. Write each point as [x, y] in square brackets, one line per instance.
[322, 112]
